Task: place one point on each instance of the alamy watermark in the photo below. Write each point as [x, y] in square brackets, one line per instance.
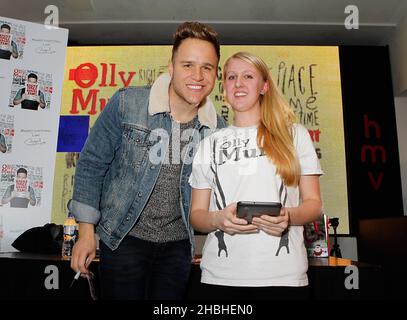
[52, 20]
[352, 20]
[51, 281]
[352, 280]
[186, 146]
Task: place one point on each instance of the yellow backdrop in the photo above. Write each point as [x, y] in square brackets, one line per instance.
[309, 78]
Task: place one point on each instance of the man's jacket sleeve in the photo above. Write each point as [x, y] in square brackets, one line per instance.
[96, 156]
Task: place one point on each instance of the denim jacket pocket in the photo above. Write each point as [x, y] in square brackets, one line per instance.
[137, 142]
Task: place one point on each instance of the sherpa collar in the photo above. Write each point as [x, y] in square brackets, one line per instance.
[159, 102]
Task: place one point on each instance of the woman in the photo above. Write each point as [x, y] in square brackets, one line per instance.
[264, 156]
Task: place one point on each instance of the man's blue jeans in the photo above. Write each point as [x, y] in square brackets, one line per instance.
[144, 270]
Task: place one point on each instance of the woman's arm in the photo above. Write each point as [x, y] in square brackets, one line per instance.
[311, 204]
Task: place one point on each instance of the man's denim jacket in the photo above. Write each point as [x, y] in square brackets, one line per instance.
[118, 167]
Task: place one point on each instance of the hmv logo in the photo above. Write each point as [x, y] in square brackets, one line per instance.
[372, 154]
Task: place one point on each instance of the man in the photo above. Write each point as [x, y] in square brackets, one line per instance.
[9, 49]
[131, 182]
[19, 199]
[30, 101]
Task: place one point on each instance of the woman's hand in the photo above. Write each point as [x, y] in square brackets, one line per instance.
[227, 221]
[273, 226]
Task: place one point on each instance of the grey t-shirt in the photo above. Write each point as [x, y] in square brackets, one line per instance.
[161, 219]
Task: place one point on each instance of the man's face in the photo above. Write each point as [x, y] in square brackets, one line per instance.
[5, 30]
[193, 72]
[21, 175]
[32, 80]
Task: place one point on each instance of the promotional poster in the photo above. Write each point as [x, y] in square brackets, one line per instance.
[32, 59]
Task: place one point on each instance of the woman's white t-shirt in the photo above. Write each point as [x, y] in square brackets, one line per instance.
[230, 163]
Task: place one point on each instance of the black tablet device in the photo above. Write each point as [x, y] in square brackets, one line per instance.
[249, 209]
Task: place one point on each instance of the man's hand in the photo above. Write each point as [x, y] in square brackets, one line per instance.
[84, 249]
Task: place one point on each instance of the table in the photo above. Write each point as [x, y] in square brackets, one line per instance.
[39, 276]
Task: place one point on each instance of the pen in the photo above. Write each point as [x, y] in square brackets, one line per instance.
[75, 278]
[77, 275]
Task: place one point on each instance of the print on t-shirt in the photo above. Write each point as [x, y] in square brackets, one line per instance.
[236, 149]
[221, 242]
[284, 237]
[219, 196]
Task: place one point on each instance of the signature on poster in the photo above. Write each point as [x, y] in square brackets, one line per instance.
[35, 137]
[35, 140]
[45, 49]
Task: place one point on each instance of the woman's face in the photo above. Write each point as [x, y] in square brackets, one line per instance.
[243, 85]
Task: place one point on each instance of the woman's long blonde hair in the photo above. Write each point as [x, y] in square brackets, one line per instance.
[275, 135]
